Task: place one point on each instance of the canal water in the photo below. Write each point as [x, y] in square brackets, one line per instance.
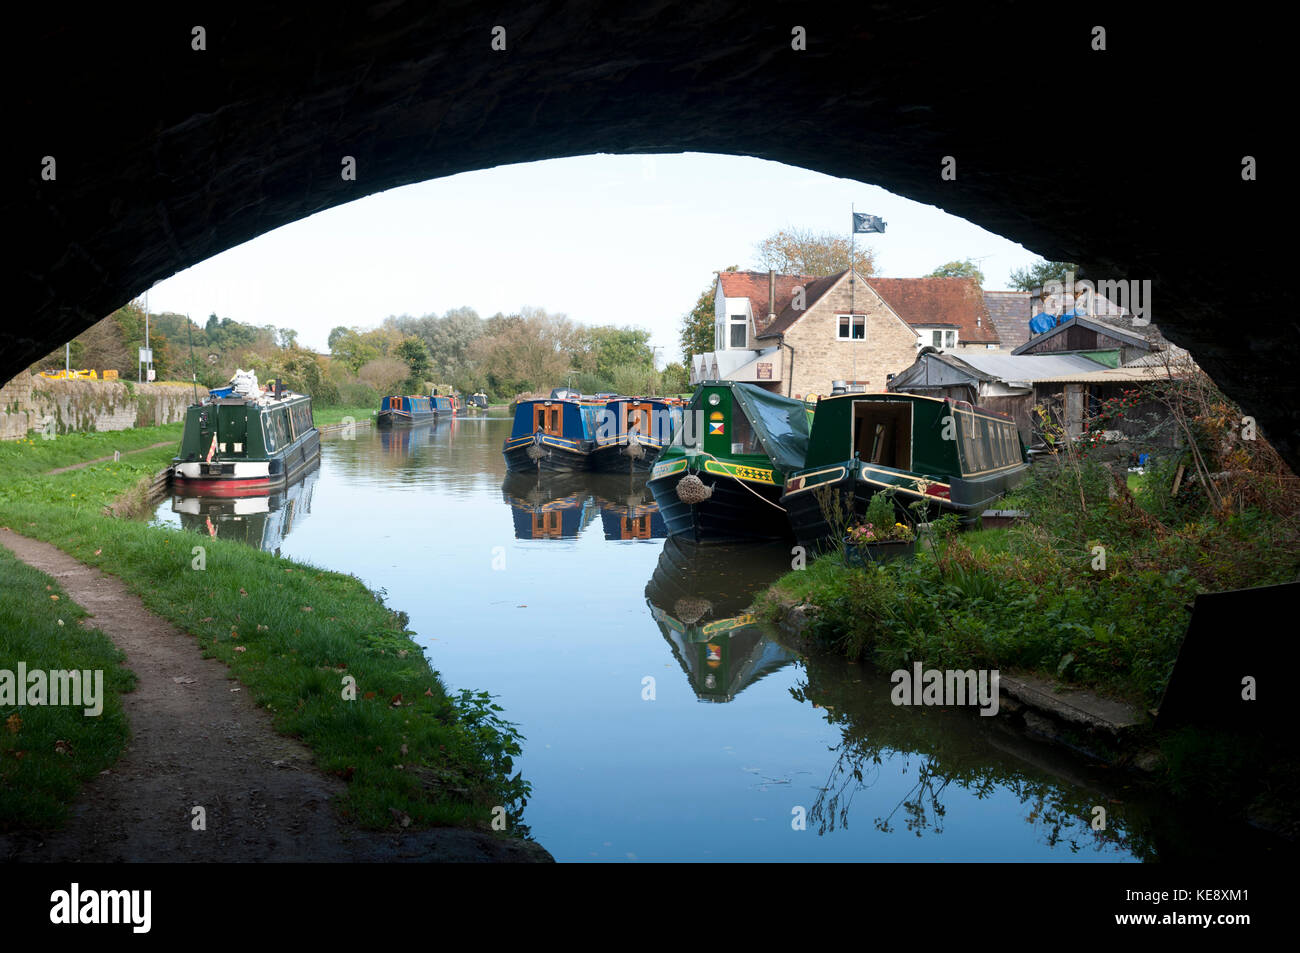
[661, 722]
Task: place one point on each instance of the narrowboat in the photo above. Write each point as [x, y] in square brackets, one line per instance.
[957, 456]
[633, 431]
[699, 596]
[245, 438]
[445, 405]
[725, 483]
[552, 434]
[405, 411]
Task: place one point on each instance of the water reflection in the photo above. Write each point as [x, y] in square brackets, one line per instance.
[260, 519]
[560, 505]
[550, 506]
[949, 755]
[699, 597]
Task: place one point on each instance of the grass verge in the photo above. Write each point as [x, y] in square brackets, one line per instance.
[48, 751]
[317, 649]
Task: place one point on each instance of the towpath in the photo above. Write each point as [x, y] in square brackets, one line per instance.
[198, 739]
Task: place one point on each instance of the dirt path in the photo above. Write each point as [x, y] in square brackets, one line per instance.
[86, 463]
[205, 743]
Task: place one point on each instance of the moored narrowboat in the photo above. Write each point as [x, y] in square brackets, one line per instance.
[405, 410]
[952, 454]
[633, 431]
[246, 439]
[725, 483]
[552, 434]
[445, 406]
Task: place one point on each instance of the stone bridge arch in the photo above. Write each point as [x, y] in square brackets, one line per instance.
[1127, 160]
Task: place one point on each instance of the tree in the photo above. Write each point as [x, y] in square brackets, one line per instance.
[524, 351]
[288, 338]
[697, 325]
[413, 352]
[335, 336]
[798, 251]
[959, 269]
[384, 374]
[354, 351]
[675, 379]
[1038, 274]
[621, 347]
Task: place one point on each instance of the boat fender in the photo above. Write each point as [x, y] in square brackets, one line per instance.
[634, 450]
[691, 490]
[535, 452]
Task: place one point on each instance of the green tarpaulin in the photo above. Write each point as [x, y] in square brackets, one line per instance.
[781, 423]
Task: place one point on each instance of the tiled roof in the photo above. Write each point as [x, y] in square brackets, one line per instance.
[753, 285]
[1009, 312]
[814, 288]
[932, 301]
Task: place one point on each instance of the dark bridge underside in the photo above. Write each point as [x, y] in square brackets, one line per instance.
[1127, 160]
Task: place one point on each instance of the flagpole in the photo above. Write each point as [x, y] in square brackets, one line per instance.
[853, 286]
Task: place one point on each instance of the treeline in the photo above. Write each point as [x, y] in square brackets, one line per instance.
[502, 356]
[507, 354]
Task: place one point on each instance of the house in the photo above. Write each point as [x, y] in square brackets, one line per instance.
[799, 334]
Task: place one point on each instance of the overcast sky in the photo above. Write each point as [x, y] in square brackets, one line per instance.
[626, 240]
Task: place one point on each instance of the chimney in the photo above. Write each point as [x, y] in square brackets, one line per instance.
[771, 295]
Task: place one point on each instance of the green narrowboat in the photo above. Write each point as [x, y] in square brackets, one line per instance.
[240, 439]
[950, 453]
[722, 476]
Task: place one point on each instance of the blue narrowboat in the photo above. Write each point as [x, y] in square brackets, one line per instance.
[552, 434]
[444, 406]
[633, 431]
[404, 411]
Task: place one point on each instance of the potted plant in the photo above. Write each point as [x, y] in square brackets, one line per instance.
[879, 537]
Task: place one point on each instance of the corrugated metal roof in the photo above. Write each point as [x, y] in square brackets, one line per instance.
[1116, 375]
[1035, 367]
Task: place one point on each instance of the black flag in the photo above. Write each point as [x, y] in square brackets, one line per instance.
[862, 222]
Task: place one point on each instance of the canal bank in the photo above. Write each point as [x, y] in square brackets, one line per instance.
[1082, 607]
[320, 655]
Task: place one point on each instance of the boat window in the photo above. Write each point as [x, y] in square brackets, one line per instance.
[882, 432]
[743, 437]
[547, 419]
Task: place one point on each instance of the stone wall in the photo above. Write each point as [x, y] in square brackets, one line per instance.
[820, 357]
[30, 402]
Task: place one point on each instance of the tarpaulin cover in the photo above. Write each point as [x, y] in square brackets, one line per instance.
[781, 423]
[1041, 322]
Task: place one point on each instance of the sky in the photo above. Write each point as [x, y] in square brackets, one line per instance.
[605, 239]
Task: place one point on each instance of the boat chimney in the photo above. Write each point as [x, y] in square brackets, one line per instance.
[771, 295]
[839, 387]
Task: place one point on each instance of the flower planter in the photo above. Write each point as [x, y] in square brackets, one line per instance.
[864, 554]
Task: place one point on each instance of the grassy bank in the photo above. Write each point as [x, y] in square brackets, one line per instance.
[325, 416]
[299, 638]
[35, 455]
[1094, 590]
[47, 752]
